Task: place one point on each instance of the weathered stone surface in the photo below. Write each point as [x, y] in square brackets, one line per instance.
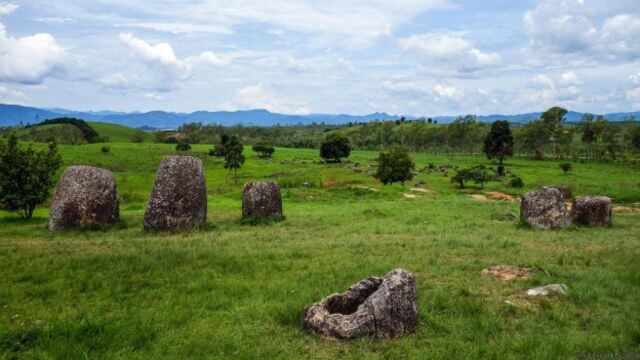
[85, 196]
[592, 210]
[178, 200]
[565, 191]
[544, 209]
[508, 272]
[381, 307]
[548, 290]
[262, 200]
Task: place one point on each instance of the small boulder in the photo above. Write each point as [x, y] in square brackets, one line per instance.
[592, 210]
[380, 307]
[544, 209]
[262, 200]
[179, 197]
[565, 191]
[85, 196]
[548, 290]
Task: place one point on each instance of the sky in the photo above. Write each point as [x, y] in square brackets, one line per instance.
[418, 57]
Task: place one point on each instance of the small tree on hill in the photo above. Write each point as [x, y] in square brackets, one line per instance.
[264, 149]
[498, 144]
[394, 166]
[233, 156]
[335, 147]
[26, 175]
[137, 136]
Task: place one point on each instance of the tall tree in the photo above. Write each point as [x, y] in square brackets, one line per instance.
[498, 144]
[553, 119]
[233, 156]
[26, 175]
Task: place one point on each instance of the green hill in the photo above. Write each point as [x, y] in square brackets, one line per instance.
[63, 133]
[116, 133]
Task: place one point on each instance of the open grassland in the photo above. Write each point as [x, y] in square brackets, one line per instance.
[233, 290]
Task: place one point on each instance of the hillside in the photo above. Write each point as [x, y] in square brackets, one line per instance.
[62, 133]
[115, 132]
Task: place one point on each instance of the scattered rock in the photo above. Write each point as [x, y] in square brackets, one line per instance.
[544, 209]
[85, 196]
[261, 200]
[508, 272]
[565, 191]
[305, 184]
[380, 307]
[592, 210]
[548, 290]
[178, 200]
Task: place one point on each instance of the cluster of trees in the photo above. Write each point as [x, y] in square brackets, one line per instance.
[90, 135]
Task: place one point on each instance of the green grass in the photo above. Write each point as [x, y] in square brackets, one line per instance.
[116, 133]
[237, 291]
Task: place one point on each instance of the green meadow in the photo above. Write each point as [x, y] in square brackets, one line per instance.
[230, 290]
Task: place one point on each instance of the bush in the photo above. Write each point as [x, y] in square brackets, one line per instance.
[500, 170]
[478, 174]
[265, 150]
[516, 182]
[183, 146]
[105, 149]
[137, 136]
[26, 175]
[566, 167]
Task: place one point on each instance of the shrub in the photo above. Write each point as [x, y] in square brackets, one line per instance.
[26, 175]
[104, 149]
[566, 167]
[394, 166]
[265, 150]
[478, 174]
[516, 182]
[335, 147]
[500, 170]
[137, 136]
[217, 151]
[183, 146]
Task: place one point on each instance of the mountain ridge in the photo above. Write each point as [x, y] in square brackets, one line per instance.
[14, 114]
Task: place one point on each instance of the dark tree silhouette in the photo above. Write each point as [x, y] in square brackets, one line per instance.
[498, 144]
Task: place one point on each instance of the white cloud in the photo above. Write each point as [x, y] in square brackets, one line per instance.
[167, 67]
[449, 51]
[180, 28]
[260, 97]
[569, 78]
[29, 59]
[635, 78]
[7, 8]
[11, 95]
[448, 92]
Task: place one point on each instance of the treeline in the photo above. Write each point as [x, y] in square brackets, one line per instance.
[593, 138]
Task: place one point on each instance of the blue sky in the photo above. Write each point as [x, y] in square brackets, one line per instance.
[421, 57]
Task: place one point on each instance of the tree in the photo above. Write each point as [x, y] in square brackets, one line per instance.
[264, 149]
[498, 143]
[634, 138]
[553, 119]
[183, 146]
[394, 166]
[335, 147]
[478, 174]
[233, 156]
[137, 136]
[26, 175]
[534, 135]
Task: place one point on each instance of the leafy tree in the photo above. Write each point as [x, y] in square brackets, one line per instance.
[26, 175]
[264, 149]
[478, 174]
[498, 143]
[394, 166]
[534, 137]
[224, 138]
[137, 136]
[233, 156]
[335, 147]
[634, 138]
[516, 182]
[566, 167]
[183, 146]
[553, 119]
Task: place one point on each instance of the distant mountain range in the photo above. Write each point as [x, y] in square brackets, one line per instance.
[14, 114]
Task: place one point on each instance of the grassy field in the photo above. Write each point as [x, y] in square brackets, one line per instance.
[237, 291]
